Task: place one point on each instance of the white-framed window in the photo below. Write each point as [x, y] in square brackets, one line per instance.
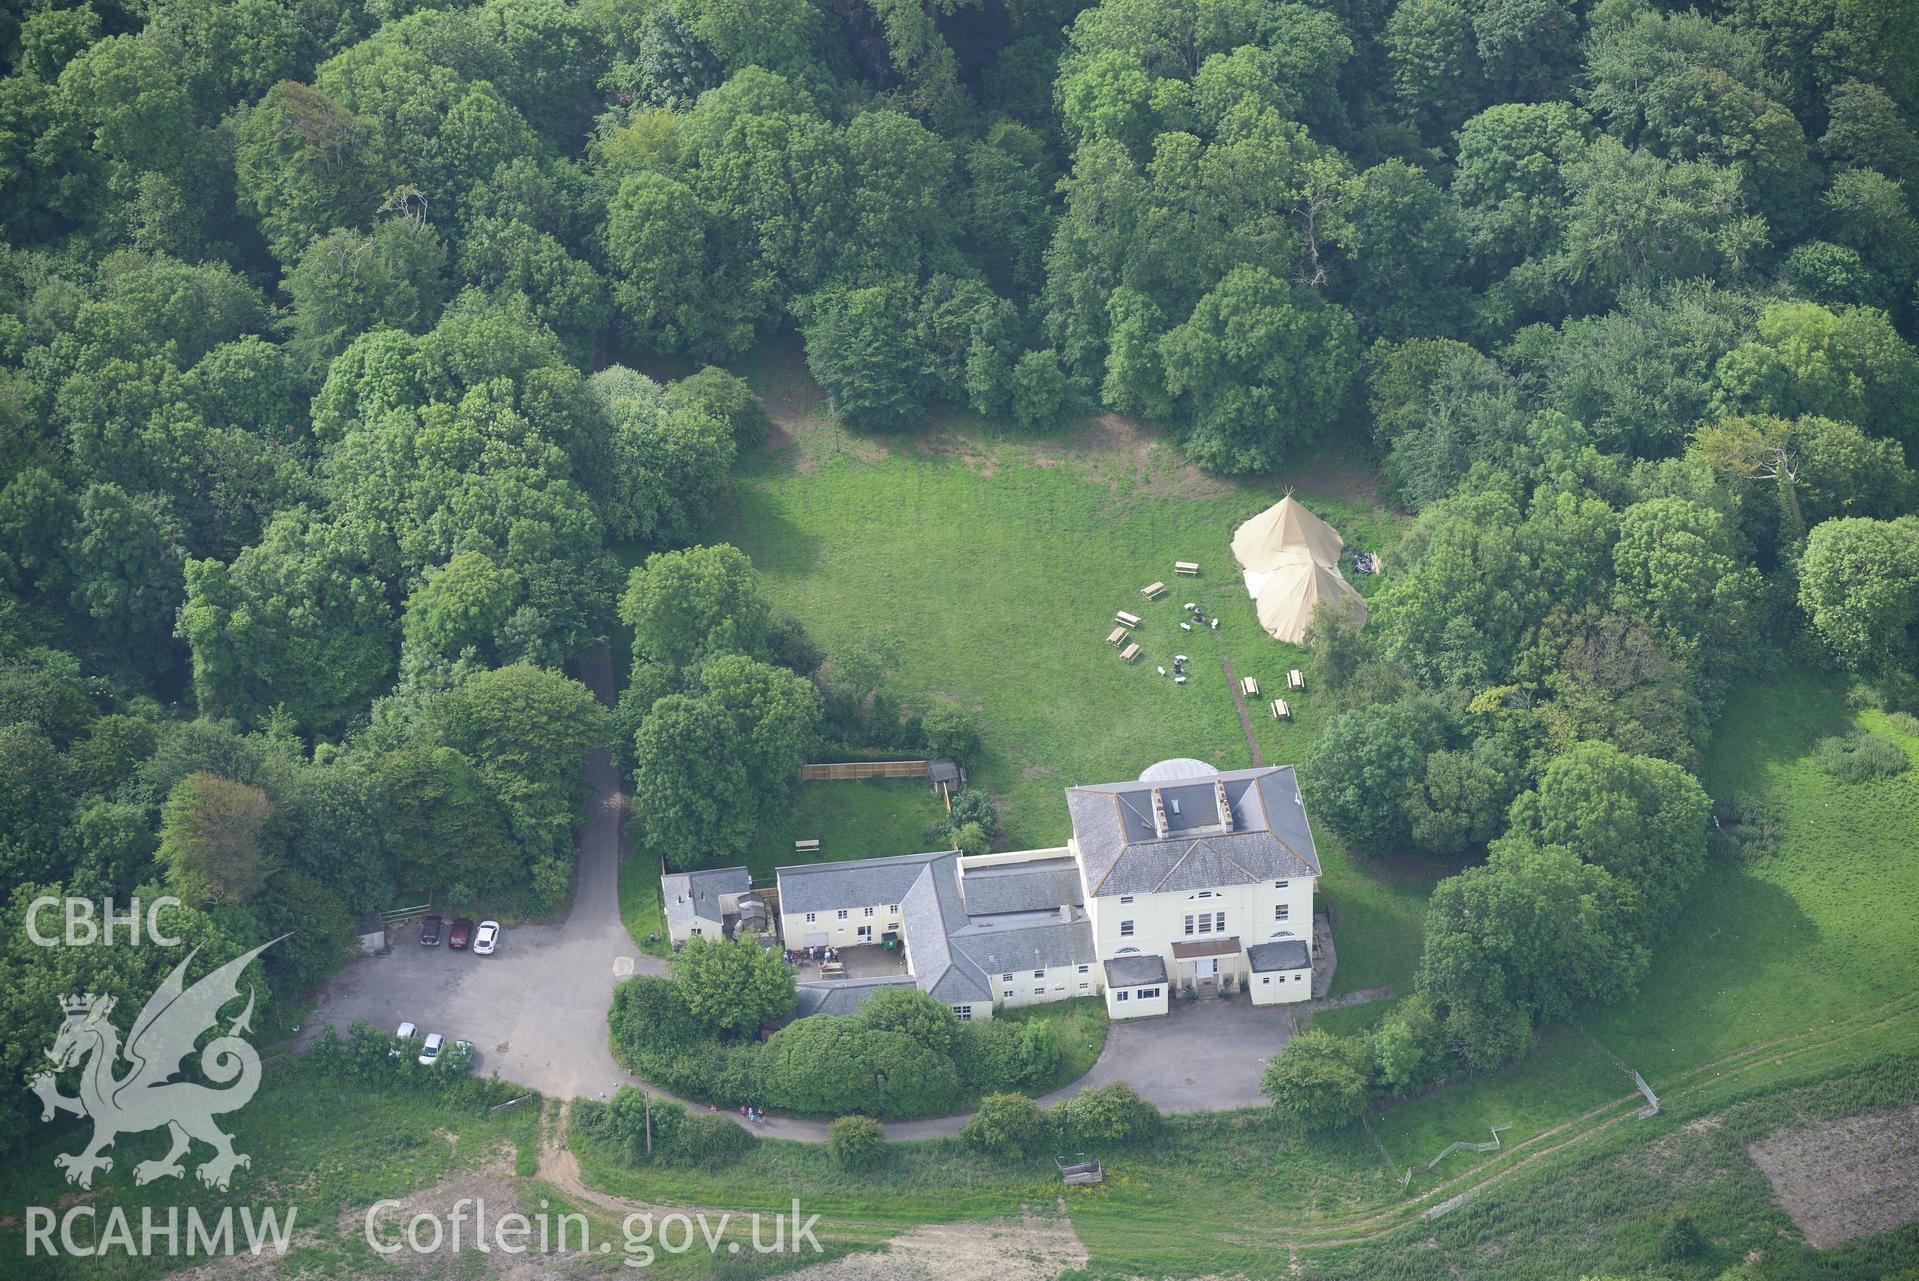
[841, 914]
[866, 933]
[1297, 977]
[1203, 894]
[1122, 995]
[1126, 929]
[697, 930]
[1190, 918]
[1084, 986]
[1282, 911]
[1007, 993]
[811, 917]
[1039, 974]
[1126, 951]
[964, 1013]
[892, 909]
[1084, 968]
[869, 911]
[1006, 978]
[1280, 885]
[1125, 898]
[1266, 980]
[1149, 994]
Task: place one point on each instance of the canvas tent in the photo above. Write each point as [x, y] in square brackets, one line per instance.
[1289, 593]
[1268, 540]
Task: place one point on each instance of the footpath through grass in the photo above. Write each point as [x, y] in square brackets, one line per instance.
[1816, 931]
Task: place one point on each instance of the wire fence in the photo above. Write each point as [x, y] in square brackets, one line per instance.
[1471, 1147]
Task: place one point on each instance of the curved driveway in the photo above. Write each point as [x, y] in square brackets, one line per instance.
[536, 1010]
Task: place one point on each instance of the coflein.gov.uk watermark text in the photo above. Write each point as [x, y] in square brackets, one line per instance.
[643, 1237]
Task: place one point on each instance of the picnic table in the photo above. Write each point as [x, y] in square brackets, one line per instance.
[1189, 568]
[1282, 710]
[1295, 679]
[1249, 686]
[1153, 591]
[1125, 619]
[806, 847]
[1117, 636]
[1131, 652]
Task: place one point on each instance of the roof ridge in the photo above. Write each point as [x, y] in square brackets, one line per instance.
[1177, 864]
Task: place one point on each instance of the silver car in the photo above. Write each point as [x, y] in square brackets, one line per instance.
[430, 1052]
[486, 938]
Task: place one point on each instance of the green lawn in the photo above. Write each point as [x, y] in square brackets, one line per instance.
[866, 818]
[998, 563]
[1821, 928]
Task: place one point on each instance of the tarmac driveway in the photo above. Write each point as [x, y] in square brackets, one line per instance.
[536, 1009]
[1204, 1056]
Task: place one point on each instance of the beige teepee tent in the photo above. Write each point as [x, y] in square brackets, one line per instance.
[1263, 543]
[1294, 588]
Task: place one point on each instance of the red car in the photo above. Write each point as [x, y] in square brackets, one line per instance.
[462, 935]
[430, 931]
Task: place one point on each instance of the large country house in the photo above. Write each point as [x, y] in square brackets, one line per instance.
[1184, 878]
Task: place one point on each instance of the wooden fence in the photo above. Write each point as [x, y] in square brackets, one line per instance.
[843, 770]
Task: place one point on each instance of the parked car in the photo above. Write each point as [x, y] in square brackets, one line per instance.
[406, 1032]
[486, 938]
[430, 931]
[462, 935]
[430, 1052]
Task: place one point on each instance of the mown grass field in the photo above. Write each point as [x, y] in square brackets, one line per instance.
[998, 563]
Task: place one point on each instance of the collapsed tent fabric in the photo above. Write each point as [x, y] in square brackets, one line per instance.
[1294, 588]
[1265, 541]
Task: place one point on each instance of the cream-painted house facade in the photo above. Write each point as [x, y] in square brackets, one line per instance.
[1187, 872]
[1184, 879]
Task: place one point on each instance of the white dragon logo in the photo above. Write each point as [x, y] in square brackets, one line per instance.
[147, 1097]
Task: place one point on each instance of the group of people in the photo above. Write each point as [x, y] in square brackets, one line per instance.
[812, 954]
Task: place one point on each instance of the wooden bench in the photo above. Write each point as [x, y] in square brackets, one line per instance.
[1117, 636]
[806, 847]
[1295, 680]
[1131, 652]
[1153, 591]
[1249, 686]
[1189, 568]
[1125, 619]
[1282, 711]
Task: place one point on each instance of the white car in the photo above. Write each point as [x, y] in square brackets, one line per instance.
[486, 938]
[430, 1052]
[406, 1032]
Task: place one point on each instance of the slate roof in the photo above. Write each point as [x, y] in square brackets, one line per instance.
[927, 889]
[1040, 941]
[838, 996]
[1187, 949]
[864, 882]
[1135, 971]
[696, 895]
[1123, 853]
[1286, 954]
[1041, 885]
